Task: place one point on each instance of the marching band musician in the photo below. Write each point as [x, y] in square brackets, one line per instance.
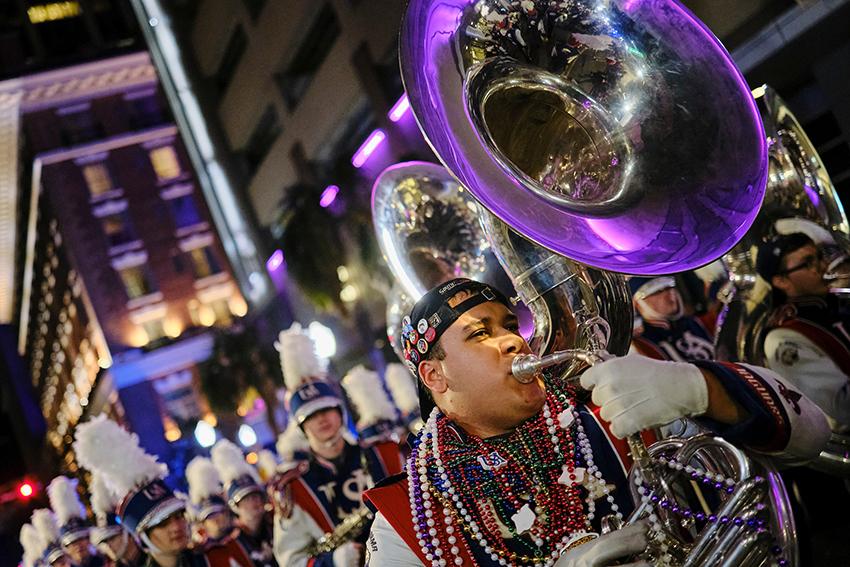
[667, 332]
[320, 519]
[109, 537]
[211, 512]
[246, 498]
[808, 336]
[149, 509]
[505, 472]
[403, 390]
[377, 416]
[49, 550]
[32, 544]
[73, 527]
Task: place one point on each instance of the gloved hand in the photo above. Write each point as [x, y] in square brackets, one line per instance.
[607, 549]
[349, 554]
[636, 393]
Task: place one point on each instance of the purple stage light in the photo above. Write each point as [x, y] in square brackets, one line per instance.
[328, 195]
[275, 261]
[399, 109]
[368, 147]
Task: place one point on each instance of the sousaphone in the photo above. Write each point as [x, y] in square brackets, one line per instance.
[618, 134]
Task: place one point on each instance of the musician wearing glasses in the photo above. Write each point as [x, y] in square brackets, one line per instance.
[507, 472]
[808, 337]
[320, 519]
[667, 332]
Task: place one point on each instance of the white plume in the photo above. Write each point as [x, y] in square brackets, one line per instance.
[32, 543]
[290, 441]
[105, 447]
[366, 392]
[266, 464]
[402, 386]
[298, 359]
[103, 500]
[44, 522]
[230, 462]
[64, 500]
[203, 479]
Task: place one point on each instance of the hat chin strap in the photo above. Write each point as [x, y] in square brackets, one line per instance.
[154, 550]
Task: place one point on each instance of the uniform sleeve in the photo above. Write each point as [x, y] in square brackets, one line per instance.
[783, 423]
[386, 548]
[293, 535]
[800, 361]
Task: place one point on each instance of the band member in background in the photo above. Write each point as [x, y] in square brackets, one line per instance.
[403, 390]
[377, 416]
[666, 331]
[49, 550]
[246, 497]
[73, 526]
[505, 472]
[149, 509]
[808, 333]
[320, 519]
[210, 511]
[109, 537]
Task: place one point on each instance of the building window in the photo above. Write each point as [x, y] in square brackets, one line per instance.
[294, 81]
[184, 211]
[267, 131]
[145, 110]
[222, 311]
[137, 281]
[154, 329]
[203, 262]
[254, 7]
[118, 229]
[98, 178]
[78, 126]
[165, 163]
[232, 55]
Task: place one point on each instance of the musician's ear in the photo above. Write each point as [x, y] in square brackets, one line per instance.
[432, 375]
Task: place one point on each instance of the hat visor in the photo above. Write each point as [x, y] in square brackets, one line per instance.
[100, 535]
[159, 513]
[73, 536]
[316, 405]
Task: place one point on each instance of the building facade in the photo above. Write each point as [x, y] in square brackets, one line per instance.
[121, 271]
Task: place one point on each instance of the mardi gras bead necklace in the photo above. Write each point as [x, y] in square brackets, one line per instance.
[530, 486]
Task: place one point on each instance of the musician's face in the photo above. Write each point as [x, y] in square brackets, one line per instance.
[172, 535]
[473, 384]
[250, 511]
[666, 302]
[79, 550]
[218, 525]
[803, 271]
[323, 426]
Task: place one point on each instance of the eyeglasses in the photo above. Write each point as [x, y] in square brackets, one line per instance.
[810, 262]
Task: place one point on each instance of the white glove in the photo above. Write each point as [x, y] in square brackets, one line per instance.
[636, 393]
[348, 554]
[607, 549]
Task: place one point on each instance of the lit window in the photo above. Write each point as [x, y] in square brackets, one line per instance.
[137, 281]
[154, 329]
[98, 178]
[203, 262]
[165, 162]
[118, 229]
[184, 212]
[222, 311]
